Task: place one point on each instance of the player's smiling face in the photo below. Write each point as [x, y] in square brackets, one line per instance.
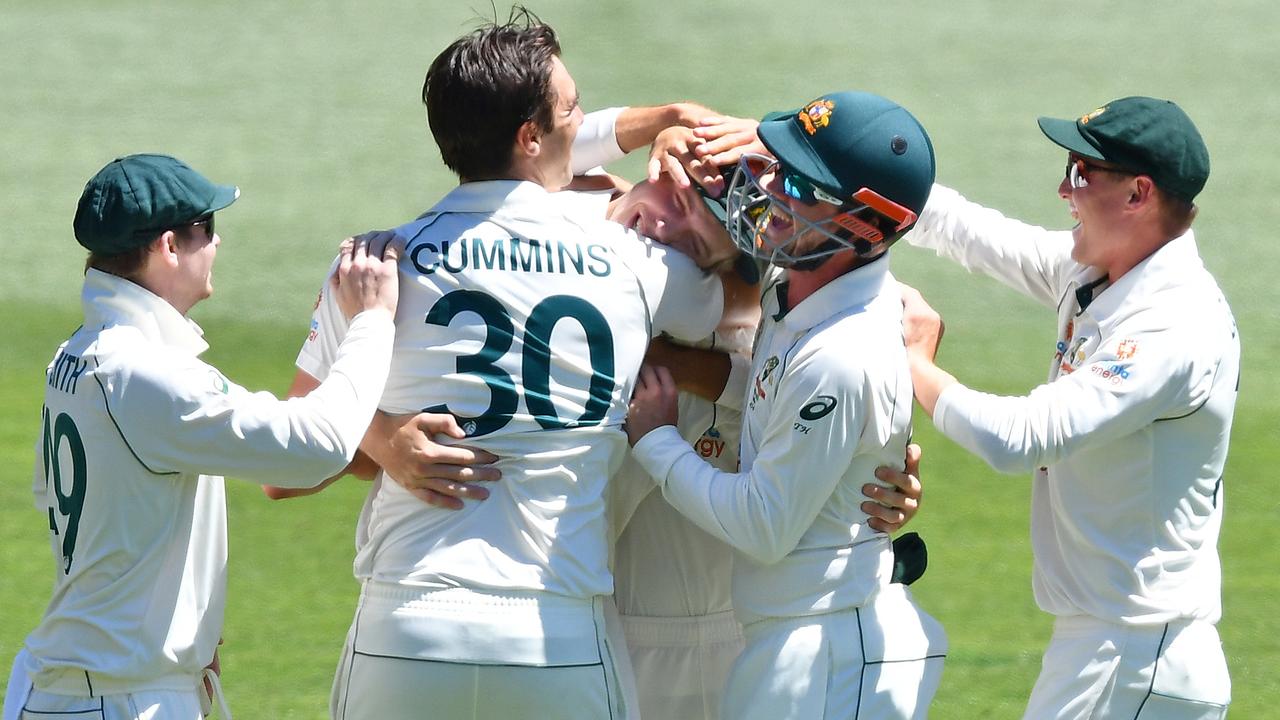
[677, 217]
[566, 118]
[1094, 207]
[782, 229]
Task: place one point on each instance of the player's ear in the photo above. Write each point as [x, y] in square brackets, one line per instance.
[166, 245]
[1142, 190]
[528, 139]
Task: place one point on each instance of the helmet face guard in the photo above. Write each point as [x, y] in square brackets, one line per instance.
[868, 223]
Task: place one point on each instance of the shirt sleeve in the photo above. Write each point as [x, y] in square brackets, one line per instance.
[182, 415]
[1130, 381]
[1027, 258]
[765, 511]
[684, 301]
[328, 327]
[596, 144]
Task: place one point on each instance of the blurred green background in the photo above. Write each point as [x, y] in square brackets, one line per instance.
[314, 111]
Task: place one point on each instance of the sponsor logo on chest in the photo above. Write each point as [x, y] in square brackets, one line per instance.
[710, 445]
[764, 381]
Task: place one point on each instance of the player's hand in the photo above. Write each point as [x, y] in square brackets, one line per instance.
[672, 153]
[215, 667]
[890, 508]
[922, 326]
[440, 475]
[725, 140]
[367, 277]
[653, 403]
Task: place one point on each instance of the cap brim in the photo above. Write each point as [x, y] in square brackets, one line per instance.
[222, 197]
[784, 138]
[1067, 134]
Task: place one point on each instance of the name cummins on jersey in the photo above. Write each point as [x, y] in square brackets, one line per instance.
[527, 319]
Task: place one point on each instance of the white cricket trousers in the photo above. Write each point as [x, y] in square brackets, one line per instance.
[881, 661]
[1098, 670]
[23, 702]
[415, 653]
[682, 663]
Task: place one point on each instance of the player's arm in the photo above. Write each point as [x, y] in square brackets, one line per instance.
[198, 421]
[1030, 259]
[638, 126]
[362, 466]
[439, 474]
[609, 134]
[700, 371]
[1136, 377]
[764, 511]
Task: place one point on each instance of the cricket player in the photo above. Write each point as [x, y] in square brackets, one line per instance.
[1128, 438]
[136, 432]
[526, 319]
[828, 401]
[671, 578]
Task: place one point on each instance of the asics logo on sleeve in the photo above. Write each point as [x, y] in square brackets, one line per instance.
[818, 409]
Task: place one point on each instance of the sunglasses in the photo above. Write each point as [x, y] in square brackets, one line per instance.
[206, 221]
[1079, 170]
[798, 188]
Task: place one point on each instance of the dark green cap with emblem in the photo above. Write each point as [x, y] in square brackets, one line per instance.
[845, 141]
[1146, 135]
[136, 197]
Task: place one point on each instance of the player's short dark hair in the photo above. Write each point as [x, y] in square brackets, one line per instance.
[484, 86]
[127, 264]
[1176, 213]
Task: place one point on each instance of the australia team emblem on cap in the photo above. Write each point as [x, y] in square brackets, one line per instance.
[816, 114]
[1085, 120]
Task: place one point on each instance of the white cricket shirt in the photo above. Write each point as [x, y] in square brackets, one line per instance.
[665, 565]
[136, 433]
[1128, 438]
[829, 401]
[527, 319]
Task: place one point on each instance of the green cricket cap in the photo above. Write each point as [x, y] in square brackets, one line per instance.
[846, 141]
[1146, 135]
[133, 198]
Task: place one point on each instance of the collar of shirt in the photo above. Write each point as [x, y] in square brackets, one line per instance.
[1168, 265]
[855, 288]
[520, 201]
[111, 300]
[486, 196]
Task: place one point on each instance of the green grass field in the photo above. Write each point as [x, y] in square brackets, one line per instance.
[313, 110]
